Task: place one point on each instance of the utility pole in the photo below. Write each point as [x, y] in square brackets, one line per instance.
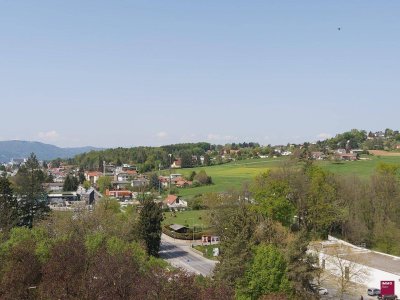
[170, 162]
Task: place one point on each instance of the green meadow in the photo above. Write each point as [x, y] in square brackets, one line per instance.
[229, 176]
[232, 175]
[198, 218]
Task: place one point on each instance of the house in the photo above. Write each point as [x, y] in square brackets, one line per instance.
[347, 156]
[120, 185]
[286, 153]
[53, 186]
[62, 198]
[183, 183]
[93, 176]
[177, 164]
[119, 194]
[317, 155]
[164, 180]
[123, 176]
[340, 151]
[175, 202]
[89, 196]
[139, 182]
[18, 161]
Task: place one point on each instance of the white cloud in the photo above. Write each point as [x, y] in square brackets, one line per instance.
[217, 137]
[213, 137]
[162, 135]
[49, 135]
[324, 136]
[230, 138]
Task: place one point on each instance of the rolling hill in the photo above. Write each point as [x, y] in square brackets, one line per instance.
[22, 149]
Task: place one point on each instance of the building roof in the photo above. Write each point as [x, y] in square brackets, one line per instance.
[176, 227]
[171, 199]
[94, 173]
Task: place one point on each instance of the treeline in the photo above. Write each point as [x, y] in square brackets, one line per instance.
[151, 158]
[324, 203]
[98, 255]
[266, 232]
[361, 139]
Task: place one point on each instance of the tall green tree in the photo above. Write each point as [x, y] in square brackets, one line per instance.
[273, 198]
[71, 183]
[236, 226]
[266, 275]
[103, 183]
[81, 176]
[29, 187]
[8, 205]
[154, 182]
[186, 159]
[150, 226]
[301, 266]
[207, 160]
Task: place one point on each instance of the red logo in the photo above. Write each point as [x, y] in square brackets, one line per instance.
[387, 287]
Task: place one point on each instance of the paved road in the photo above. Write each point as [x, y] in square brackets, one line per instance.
[178, 254]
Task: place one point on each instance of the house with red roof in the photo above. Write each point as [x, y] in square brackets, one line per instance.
[93, 176]
[174, 202]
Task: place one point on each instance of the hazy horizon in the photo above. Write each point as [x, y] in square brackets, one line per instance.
[110, 74]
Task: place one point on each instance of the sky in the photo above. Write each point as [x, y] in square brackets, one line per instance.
[129, 73]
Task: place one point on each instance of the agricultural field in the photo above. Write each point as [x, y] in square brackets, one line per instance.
[229, 176]
[232, 175]
[362, 168]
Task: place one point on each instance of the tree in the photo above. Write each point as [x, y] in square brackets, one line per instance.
[235, 225]
[272, 196]
[267, 274]
[21, 273]
[207, 160]
[33, 204]
[150, 226]
[104, 182]
[154, 182]
[8, 205]
[71, 183]
[63, 272]
[347, 271]
[301, 268]
[81, 176]
[192, 175]
[203, 178]
[186, 159]
[86, 184]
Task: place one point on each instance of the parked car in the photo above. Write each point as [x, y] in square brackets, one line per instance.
[373, 292]
[322, 291]
[319, 289]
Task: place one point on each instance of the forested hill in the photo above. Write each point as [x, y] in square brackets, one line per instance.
[22, 149]
[147, 158]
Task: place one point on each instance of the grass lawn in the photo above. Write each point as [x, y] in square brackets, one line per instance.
[363, 168]
[232, 175]
[207, 251]
[229, 176]
[189, 217]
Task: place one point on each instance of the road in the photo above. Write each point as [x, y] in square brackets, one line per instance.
[178, 254]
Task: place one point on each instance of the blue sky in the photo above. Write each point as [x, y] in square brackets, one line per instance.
[128, 73]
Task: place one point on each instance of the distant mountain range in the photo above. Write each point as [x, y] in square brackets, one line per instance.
[22, 149]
